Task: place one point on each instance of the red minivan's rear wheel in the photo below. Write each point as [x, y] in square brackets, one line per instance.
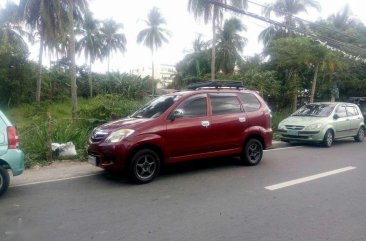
[144, 166]
[252, 153]
[4, 180]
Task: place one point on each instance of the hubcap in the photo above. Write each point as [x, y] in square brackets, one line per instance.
[254, 152]
[1, 181]
[145, 166]
[329, 139]
[361, 134]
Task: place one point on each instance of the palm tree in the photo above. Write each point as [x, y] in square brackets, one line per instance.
[201, 8]
[286, 9]
[230, 44]
[73, 12]
[91, 43]
[199, 44]
[10, 26]
[113, 39]
[43, 16]
[342, 20]
[154, 35]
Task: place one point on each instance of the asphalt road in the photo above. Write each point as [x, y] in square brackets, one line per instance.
[207, 200]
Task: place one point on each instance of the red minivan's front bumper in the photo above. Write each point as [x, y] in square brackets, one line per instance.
[108, 156]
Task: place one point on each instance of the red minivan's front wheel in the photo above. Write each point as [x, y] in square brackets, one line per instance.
[252, 153]
[144, 166]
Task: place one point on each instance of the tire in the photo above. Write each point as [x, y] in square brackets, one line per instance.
[328, 138]
[4, 180]
[252, 153]
[144, 166]
[360, 135]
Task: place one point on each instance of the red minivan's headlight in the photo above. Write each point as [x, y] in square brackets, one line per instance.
[119, 135]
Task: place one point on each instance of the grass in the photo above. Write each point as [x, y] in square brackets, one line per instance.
[277, 117]
[32, 124]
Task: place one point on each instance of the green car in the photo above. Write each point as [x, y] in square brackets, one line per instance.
[11, 157]
[323, 122]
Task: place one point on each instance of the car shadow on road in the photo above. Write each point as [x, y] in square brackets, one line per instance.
[178, 169]
[315, 144]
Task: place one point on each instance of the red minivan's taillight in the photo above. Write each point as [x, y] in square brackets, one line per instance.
[12, 138]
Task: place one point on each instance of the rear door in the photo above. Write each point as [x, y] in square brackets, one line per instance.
[342, 123]
[189, 134]
[354, 118]
[228, 121]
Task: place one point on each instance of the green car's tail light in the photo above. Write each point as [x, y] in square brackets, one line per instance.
[13, 141]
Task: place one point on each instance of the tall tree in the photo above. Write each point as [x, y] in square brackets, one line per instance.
[213, 13]
[199, 44]
[45, 18]
[10, 25]
[91, 43]
[229, 45]
[285, 9]
[153, 36]
[342, 20]
[113, 39]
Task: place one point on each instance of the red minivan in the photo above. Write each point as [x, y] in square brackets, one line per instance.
[186, 125]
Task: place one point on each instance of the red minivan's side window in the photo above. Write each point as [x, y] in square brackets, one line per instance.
[225, 104]
[250, 102]
[195, 106]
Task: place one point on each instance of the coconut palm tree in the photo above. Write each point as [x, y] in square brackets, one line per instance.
[213, 13]
[154, 35]
[230, 44]
[91, 43]
[342, 20]
[10, 25]
[285, 9]
[114, 40]
[199, 44]
[43, 17]
[73, 12]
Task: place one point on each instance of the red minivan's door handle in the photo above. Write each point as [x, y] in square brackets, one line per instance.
[242, 119]
[205, 123]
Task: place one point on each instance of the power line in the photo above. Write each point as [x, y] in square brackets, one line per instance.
[309, 22]
[321, 39]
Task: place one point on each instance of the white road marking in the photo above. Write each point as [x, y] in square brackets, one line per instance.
[54, 180]
[307, 179]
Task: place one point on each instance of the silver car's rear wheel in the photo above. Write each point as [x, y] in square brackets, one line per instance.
[360, 135]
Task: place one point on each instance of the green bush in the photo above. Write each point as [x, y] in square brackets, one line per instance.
[104, 108]
[277, 117]
[32, 123]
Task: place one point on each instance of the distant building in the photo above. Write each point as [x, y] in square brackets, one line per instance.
[164, 73]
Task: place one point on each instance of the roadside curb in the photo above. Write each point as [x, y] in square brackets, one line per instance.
[60, 170]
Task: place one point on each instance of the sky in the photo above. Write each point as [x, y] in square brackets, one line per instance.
[183, 27]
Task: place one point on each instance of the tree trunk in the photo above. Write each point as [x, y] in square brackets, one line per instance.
[108, 62]
[73, 64]
[39, 80]
[152, 73]
[313, 86]
[90, 80]
[213, 60]
[294, 100]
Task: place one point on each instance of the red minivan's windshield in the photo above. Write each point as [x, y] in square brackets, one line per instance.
[156, 107]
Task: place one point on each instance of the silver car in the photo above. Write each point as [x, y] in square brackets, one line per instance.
[323, 122]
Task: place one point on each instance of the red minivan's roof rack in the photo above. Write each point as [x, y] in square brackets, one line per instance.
[216, 85]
